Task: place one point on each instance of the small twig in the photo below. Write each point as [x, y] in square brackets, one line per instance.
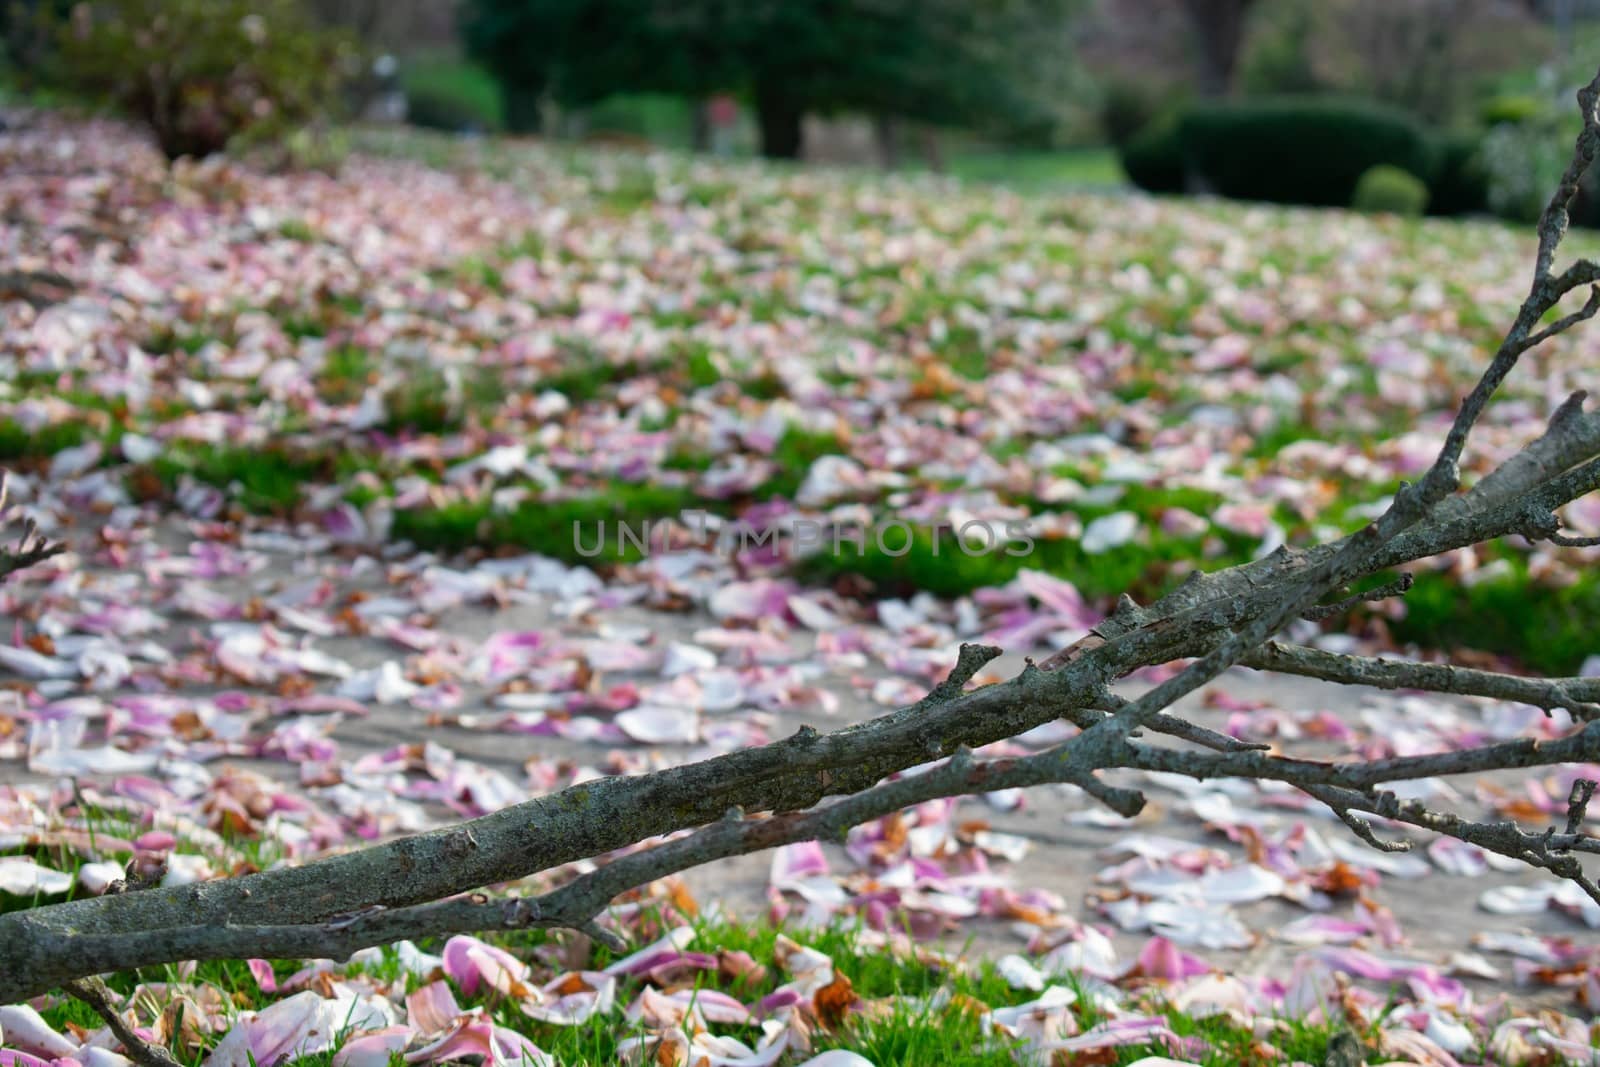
[1398, 587]
[93, 992]
[1363, 829]
[31, 549]
[1583, 314]
[1566, 541]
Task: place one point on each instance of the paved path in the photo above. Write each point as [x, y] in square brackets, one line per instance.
[1070, 842]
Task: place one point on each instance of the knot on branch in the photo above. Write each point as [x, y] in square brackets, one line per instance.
[519, 912]
[1578, 803]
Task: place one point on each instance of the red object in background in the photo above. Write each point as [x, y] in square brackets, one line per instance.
[722, 110]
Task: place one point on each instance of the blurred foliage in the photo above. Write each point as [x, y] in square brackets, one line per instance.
[446, 93]
[1279, 58]
[201, 73]
[1428, 57]
[27, 37]
[1524, 159]
[656, 117]
[1128, 106]
[1003, 64]
[1389, 189]
[1068, 167]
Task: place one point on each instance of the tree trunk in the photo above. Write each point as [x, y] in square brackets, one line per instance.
[780, 118]
[886, 131]
[523, 109]
[699, 126]
[932, 152]
[1219, 31]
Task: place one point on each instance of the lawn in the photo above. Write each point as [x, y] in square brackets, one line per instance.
[1041, 172]
[1179, 381]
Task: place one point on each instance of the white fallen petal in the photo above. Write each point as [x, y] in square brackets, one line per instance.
[838, 1057]
[682, 658]
[70, 462]
[654, 724]
[137, 448]
[97, 877]
[812, 615]
[25, 878]
[23, 1028]
[78, 762]
[31, 664]
[1109, 531]
[95, 1056]
[1019, 973]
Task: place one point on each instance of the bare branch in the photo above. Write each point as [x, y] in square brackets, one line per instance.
[93, 992]
[1398, 587]
[1579, 696]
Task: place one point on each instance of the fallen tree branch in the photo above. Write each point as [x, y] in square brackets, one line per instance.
[430, 884]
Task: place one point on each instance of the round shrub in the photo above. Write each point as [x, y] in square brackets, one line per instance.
[1153, 157]
[1299, 150]
[1390, 189]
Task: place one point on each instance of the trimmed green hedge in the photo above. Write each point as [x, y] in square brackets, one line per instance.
[1299, 151]
[1459, 184]
[1153, 158]
[1303, 150]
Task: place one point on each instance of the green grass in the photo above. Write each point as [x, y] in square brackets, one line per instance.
[18, 442]
[346, 375]
[297, 230]
[655, 117]
[584, 375]
[1548, 629]
[465, 84]
[1143, 567]
[912, 1033]
[568, 529]
[793, 456]
[270, 480]
[1035, 171]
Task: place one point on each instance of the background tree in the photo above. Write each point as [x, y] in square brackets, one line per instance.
[943, 61]
[1219, 27]
[27, 36]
